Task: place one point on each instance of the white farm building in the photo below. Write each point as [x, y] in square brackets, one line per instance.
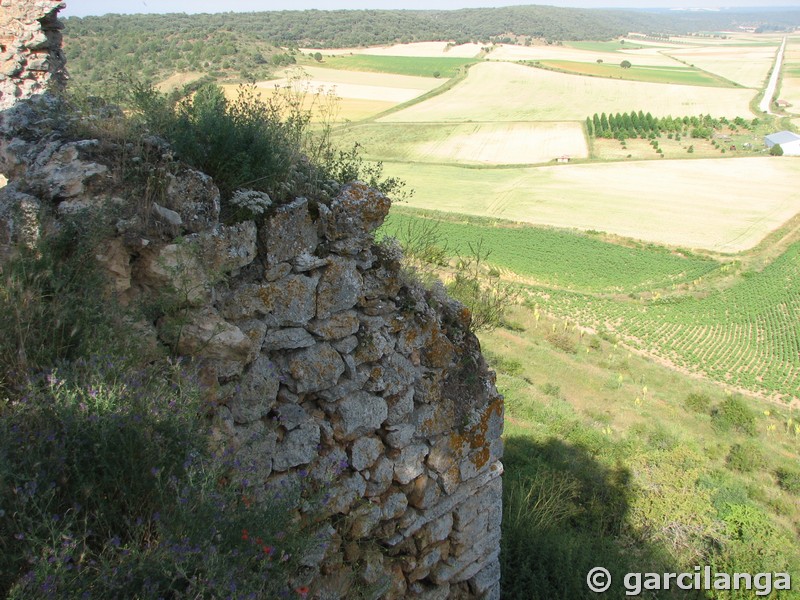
[788, 141]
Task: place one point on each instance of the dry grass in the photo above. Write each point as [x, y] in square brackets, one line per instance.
[495, 91]
[177, 81]
[747, 66]
[726, 205]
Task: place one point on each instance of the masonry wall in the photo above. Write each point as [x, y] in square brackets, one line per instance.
[30, 48]
[322, 359]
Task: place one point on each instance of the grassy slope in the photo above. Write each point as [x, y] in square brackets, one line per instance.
[620, 473]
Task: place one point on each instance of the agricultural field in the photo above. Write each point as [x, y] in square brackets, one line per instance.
[360, 94]
[680, 75]
[790, 84]
[440, 66]
[501, 143]
[723, 205]
[747, 66]
[746, 336]
[415, 49]
[495, 91]
[556, 258]
[509, 52]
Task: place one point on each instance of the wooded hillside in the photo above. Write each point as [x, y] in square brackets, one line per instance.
[248, 45]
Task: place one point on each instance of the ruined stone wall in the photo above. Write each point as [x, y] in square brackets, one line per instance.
[30, 48]
[321, 357]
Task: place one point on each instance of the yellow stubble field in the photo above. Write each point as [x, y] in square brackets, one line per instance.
[505, 143]
[359, 94]
[746, 65]
[645, 56]
[497, 91]
[726, 205]
[790, 84]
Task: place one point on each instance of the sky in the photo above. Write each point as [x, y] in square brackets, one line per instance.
[82, 8]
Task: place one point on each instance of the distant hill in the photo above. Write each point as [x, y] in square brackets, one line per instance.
[249, 45]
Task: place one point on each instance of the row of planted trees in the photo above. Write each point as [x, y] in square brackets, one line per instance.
[645, 126]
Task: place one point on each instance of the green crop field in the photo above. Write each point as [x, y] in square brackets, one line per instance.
[677, 75]
[423, 66]
[560, 258]
[747, 335]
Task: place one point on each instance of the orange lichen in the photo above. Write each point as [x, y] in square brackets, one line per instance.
[475, 437]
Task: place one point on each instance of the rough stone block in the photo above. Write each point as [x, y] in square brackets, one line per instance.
[410, 463]
[339, 287]
[361, 413]
[339, 326]
[257, 392]
[287, 302]
[288, 339]
[364, 452]
[288, 233]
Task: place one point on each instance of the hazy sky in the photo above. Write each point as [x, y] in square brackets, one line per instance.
[82, 8]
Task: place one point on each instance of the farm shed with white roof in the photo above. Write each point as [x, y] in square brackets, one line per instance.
[788, 141]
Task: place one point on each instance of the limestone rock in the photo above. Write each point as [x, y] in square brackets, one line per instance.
[364, 520]
[176, 269]
[205, 334]
[288, 233]
[59, 172]
[410, 463]
[316, 368]
[339, 326]
[298, 447]
[360, 413]
[339, 288]
[227, 247]
[357, 210]
[195, 198]
[114, 259]
[364, 452]
[257, 392]
[345, 491]
[167, 216]
[288, 339]
[19, 219]
[288, 302]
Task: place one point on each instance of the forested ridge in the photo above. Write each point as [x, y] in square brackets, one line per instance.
[249, 45]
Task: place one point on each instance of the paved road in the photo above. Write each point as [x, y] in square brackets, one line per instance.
[773, 82]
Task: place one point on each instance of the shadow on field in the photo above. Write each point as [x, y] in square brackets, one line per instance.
[564, 515]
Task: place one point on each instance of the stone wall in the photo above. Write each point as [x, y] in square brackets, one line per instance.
[30, 48]
[322, 358]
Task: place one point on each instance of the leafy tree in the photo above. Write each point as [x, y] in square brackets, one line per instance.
[318, 56]
[625, 64]
[776, 150]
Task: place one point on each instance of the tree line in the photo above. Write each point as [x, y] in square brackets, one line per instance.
[250, 45]
[637, 124]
